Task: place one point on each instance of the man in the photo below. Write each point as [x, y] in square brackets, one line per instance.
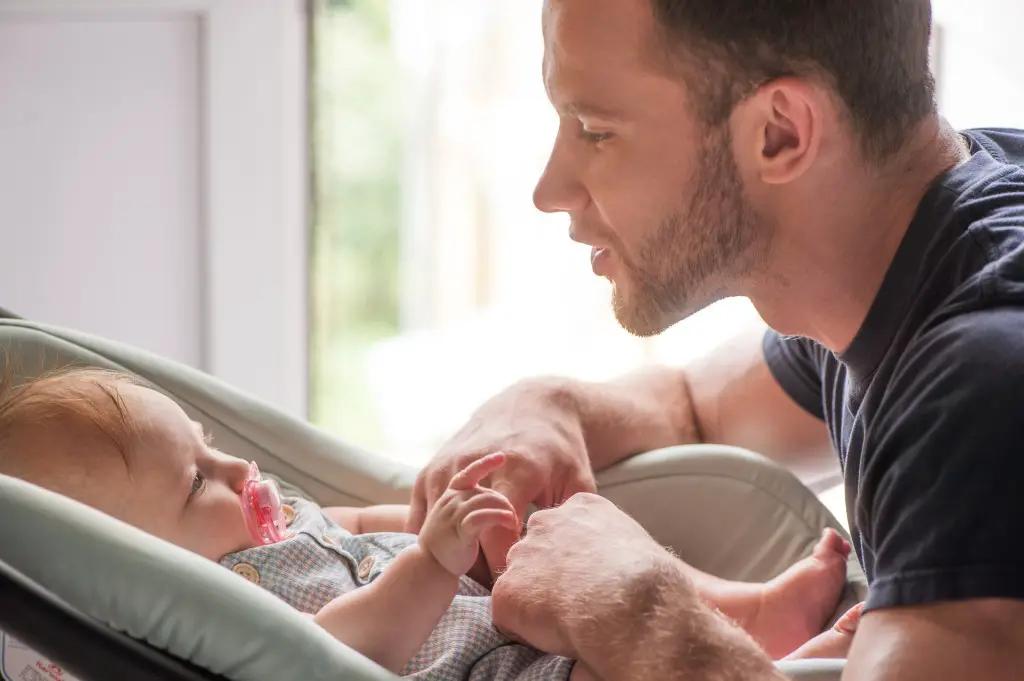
[789, 152]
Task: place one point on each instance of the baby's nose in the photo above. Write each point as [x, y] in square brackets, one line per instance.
[236, 471]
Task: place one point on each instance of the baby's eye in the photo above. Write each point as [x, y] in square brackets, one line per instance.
[198, 482]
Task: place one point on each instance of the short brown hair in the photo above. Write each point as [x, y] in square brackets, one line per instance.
[70, 395]
[874, 53]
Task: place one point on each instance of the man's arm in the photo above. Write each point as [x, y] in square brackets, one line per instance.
[975, 639]
[729, 397]
[556, 432]
[940, 508]
[663, 630]
[589, 583]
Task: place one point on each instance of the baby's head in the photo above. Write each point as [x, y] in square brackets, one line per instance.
[109, 441]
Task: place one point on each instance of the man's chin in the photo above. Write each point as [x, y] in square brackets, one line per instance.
[638, 320]
[644, 318]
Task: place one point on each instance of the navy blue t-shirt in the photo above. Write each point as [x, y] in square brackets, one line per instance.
[926, 406]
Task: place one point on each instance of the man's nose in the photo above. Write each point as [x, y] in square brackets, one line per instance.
[559, 189]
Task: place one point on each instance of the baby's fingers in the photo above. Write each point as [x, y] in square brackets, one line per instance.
[474, 524]
[472, 475]
[486, 500]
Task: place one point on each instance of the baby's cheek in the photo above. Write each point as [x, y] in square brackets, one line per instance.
[214, 534]
[232, 531]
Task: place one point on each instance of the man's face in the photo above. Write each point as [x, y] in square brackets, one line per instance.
[652, 189]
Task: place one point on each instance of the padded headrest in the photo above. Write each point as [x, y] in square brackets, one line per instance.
[332, 472]
[164, 595]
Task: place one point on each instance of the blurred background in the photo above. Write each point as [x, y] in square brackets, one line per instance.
[436, 281]
[328, 202]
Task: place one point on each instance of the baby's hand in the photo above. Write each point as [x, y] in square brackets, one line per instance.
[451, 532]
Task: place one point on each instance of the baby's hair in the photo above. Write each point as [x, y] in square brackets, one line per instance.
[77, 395]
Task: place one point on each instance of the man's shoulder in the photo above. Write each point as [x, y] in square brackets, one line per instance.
[977, 350]
[986, 194]
[1005, 144]
[972, 251]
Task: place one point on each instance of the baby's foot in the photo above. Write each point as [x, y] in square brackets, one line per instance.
[834, 643]
[795, 605]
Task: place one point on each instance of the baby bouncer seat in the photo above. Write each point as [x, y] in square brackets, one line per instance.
[84, 595]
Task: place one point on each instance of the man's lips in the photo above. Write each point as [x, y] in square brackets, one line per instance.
[600, 260]
[600, 256]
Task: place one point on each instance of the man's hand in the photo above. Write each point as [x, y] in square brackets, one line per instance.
[452, 531]
[545, 459]
[589, 583]
[577, 569]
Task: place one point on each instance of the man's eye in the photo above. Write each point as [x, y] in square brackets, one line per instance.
[594, 137]
[198, 482]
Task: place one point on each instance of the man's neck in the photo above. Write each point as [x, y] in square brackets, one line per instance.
[827, 276]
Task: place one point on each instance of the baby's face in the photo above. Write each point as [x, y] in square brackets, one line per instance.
[171, 483]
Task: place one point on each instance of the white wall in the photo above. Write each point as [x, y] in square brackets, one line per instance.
[981, 72]
[99, 196]
[153, 179]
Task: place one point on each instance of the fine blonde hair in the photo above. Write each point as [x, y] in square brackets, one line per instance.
[71, 396]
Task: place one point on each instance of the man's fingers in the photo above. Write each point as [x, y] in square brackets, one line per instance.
[473, 474]
[417, 507]
[436, 486]
[516, 491]
[581, 480]
[496, 542]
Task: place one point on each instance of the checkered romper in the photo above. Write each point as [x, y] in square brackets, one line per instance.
[321, 561]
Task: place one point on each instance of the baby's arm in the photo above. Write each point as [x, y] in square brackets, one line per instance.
[392, 518]
[391, 618]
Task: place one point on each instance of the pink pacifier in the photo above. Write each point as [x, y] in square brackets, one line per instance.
[261, 505]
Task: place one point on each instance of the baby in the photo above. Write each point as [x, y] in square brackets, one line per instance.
[404, 601]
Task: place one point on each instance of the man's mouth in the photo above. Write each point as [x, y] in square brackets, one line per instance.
[600, 258]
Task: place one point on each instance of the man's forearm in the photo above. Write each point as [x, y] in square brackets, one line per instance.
[666, 632]
[639, 412]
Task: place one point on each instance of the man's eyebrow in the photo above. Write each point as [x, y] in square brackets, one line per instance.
[582, 109]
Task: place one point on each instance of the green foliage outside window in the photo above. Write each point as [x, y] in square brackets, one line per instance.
[357, 155]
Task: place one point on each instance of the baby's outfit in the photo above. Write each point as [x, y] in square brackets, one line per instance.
[320, 561]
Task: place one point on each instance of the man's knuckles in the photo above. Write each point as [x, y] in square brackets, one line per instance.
[523, 550]
[585, 499]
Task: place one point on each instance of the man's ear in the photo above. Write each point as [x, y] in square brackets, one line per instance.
[781, 126]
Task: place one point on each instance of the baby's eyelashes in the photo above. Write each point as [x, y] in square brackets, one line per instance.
[198, 483]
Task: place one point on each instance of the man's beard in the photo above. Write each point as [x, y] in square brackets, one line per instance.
[697, 255]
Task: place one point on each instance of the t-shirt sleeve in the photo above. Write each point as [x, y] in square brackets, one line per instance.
[795, 365]
[942, 481]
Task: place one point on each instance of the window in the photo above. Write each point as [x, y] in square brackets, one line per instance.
[437, 283]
